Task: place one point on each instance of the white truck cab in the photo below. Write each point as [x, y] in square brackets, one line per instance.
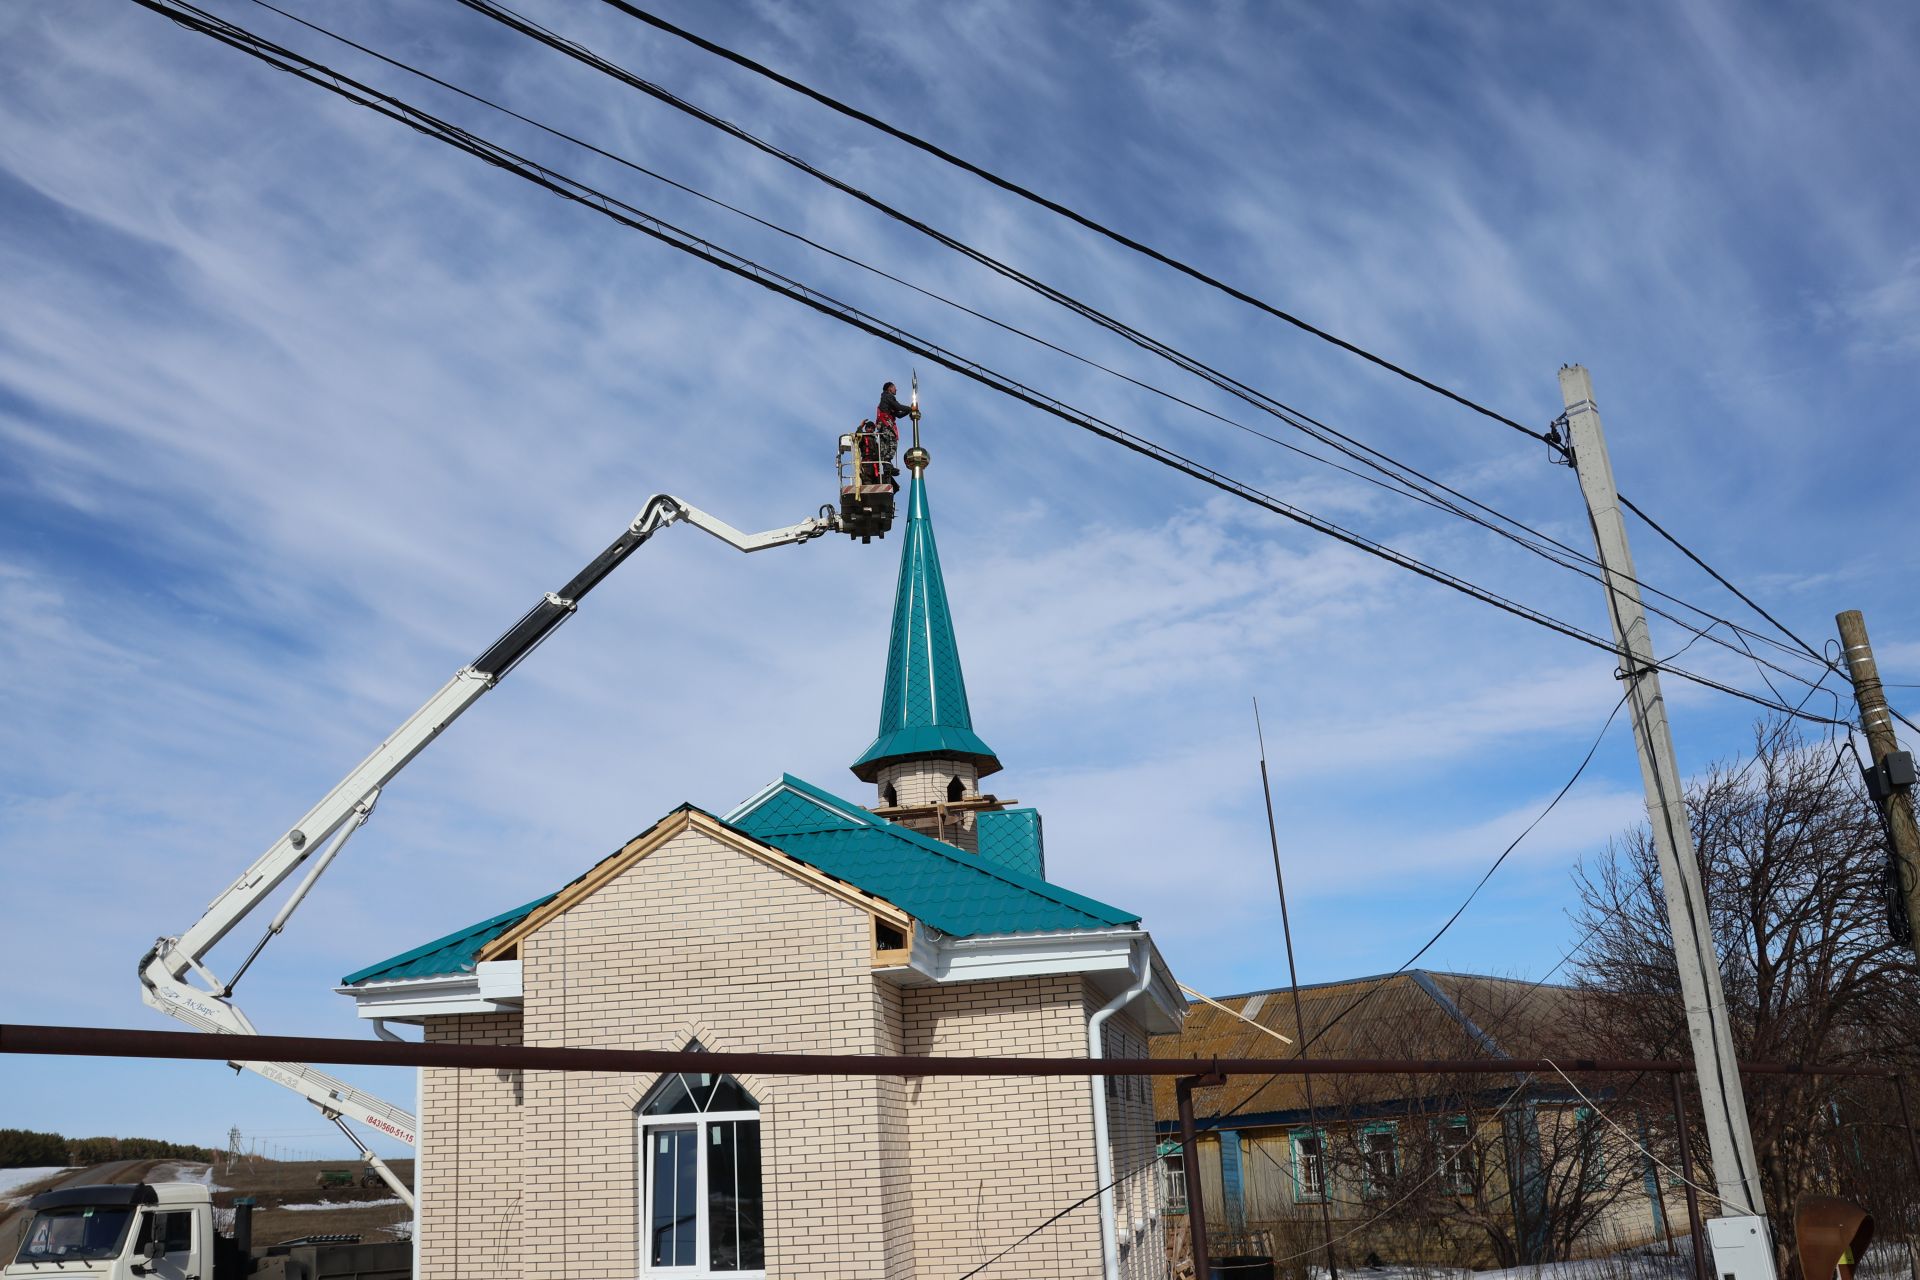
[122, 1231]
[165, 1231]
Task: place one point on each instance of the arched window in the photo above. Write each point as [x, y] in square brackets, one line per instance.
[956, 789]
[701, 1208]
[890, 797]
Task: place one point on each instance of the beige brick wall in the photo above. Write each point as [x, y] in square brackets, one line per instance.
[864, 1177]
[468, 1174]
[1139, 1226]
[700, 940]
[993, 1156]
[918, 782]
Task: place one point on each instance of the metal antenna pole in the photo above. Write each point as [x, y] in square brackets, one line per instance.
[1736, 1172]
[1293, 982]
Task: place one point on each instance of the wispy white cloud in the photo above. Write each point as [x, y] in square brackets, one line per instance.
[298, 410]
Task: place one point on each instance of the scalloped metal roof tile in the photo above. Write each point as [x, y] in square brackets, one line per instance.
[959, 893]
[454, 953]
[923, 705]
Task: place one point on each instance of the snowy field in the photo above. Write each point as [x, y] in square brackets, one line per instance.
[11, 1180]
[1886, 1260]
[200, 1173]
[337, 1204]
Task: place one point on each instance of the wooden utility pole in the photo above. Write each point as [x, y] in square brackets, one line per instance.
[1893, 787]
[1736, 1172]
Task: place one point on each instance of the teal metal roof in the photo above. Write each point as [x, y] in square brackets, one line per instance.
[958, 893]
[455, 953]
[1011, 837]
[923, 706]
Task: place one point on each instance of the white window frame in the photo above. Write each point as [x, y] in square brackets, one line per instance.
[698, 1121]
[1173, 1182]
[1302, 1162]
[1391, 1129]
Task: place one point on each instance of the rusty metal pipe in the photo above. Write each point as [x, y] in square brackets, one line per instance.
[1190, 1167]
[1700, 1271]
[112, 1042]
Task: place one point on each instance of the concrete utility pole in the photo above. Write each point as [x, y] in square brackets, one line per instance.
[1892, 789]
[1729, 1138]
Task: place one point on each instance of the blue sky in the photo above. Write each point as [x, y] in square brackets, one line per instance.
[298, 410]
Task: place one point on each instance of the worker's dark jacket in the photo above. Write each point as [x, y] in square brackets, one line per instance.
[890, 409]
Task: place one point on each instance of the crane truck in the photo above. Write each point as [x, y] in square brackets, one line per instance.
[169, 968]
[166, 1231]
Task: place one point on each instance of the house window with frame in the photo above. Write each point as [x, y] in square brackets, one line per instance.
[1455, 1139]
[701, 1205]
[1379, 1158]
[1309, 1165]
[1589, 1150]
[1173, 1177]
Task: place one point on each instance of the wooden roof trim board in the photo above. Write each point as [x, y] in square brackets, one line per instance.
[674, 824]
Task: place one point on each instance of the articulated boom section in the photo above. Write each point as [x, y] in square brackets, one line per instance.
[164, 969]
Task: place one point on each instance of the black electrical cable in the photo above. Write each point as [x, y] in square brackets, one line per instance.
[1403, 490]
[506, 16]
[195, 19]
[1529, 538]
[653, 20]
[1370, 992]
[1684, 550]
[893, 131]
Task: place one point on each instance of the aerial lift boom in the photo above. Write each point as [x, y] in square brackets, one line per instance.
[327, 826]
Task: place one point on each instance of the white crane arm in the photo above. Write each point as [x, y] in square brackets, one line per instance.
[164, 969]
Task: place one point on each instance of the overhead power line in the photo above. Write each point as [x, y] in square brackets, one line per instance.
[1398, 472]
[1300, 1051]
[1185, 268]
[198, 20]
[1421, 488]
[1054, 206]
[1748, 600]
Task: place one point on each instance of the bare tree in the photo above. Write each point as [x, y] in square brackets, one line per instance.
[1795, 866]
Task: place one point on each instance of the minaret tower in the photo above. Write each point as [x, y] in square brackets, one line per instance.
[927, 761]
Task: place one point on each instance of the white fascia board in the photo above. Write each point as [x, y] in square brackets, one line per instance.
[1031, 955]
[499, 981]
[1104, 955]
[1168, 1003]
[410, 999]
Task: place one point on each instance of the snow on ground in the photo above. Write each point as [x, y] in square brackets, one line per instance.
[339, 1204]
[1885, 1261]
[1648, 1262]
[402, 1230]
[179, 1172]
[12, 1180]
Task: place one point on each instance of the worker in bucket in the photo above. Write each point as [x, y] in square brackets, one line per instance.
[887, 419]
[887, 416]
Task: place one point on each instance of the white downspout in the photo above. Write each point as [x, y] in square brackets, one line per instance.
[1140, 965]
[381, 1029]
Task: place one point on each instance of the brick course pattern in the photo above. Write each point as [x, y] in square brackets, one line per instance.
[924, 781]
[995, 1156]
[468, 1169]
[864, 1177]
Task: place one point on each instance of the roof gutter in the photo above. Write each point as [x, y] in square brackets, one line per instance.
[1141, 957]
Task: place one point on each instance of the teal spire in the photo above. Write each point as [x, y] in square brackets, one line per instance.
[923, 707]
